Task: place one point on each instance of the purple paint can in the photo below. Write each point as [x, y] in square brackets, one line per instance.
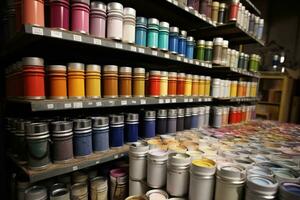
[80, 16]
[98, 19]
[59, 14]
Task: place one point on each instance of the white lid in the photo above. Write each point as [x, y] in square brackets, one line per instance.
[225, 43]
[218, 41]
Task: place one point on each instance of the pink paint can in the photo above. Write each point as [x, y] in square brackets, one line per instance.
[98, 19]
[59, 14]
[80, 15]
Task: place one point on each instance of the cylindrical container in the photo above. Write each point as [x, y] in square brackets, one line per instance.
[230, 182]
[172, 121]
[116, 131]
[76, 80]
[154, 83]
[98, 19]
[207, 86]
[115, 17]
[260, 187]
[93, 81]
[190, 46]
[125, 79]
[138, 160]
[149, 124]
[216, 87]
[195, 117]
[233, 88]
[19, 145]
[152, 33]
[207, 112]
[224, 52]
[161, 122]
[59, 14]
[241, 60]
[251, 24]
[195, 85]
[80, 177]
[33, 77]
[138, 80]
[202, 86]
[80, 16]
[79, 191]
[36, 193]
[163, 36]
[163, 83]
[172, 83]
[33, 12]
[110, 81]
[217, 117]
[201, 117]
[233, 10]
[37, 139]
[141, 31]
[289, 191]
[131, 127]
[187, 118]
[173, 39]
[157, 194]
[182, 43]
[202, 179]
[217, 54]
[246, 62]
[180, 84]
[98, 188]
[194, 4]
[260, 29]
[180, 119]
[82, 139]
[208, 54]
[62, 141]
[188, 85]
[221, 14]
[215, 12]
[129, 25]
[240, 89]
[178, 174]
[57, 81]
[137, 188]
[100, 134]
[200, 50]
[157, 168]
[59, 191]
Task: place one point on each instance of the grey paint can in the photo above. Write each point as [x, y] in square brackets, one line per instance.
[59, 191]
[137, 187]
[157, 168]
[36, 193]
[138, 160]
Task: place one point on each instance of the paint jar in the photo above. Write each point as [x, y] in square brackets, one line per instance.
[233, 10]
[230, 182]
[202, 179]
[217, 52]
[188, 85]
[200, 50]
[256, 25]
[178, 174]
[216, 87]
[19, 141]
[195, 85]
[149, 124]
[215, 12]
[118, 184]
[33, 12]
[98, 19]
[187, 118]
[163, 36]
[163, 83]
[110, 81]
[76, 80]
[141, 31]
[195, 118]
[201, 86]
[208, 9]
[59, 14]
[207, 86]
[98, 188]
[82, 139]
[201, 117]
[285, 175]
[57, 81]
[182, 43]
[233, 88]
[172, 121]
[115, 21]
[38, 147]
[161, 123]
[116, 131]
[241, 60]
[251, 24]
[221, 14]
[217, 117]
[180, 84]
[131, 127]
[172, 83]
[193, 4]
[33, 78]
[173, 39]
[62, 141]
[207, 111]
[246, 61]
[138, 160]
[93, 81]
[36, 193]
[138, 82]
[190, 45]
[79, 191]
[157, 194]
[289, 191]
[137, 187]
[260, 187]
[80, 16]
[125, 79]
[208, 54]
[180, 119]
[240, 89]
[152, 33]
[157, 168]
[154, 83]
[224, 52]
[260, 29]
[129, 25]
[100, 134]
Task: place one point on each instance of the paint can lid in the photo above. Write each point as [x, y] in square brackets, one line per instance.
[110, 68]
[157, 194]
[181, 75]
[174, 29]
[56, 68]
[289, 191]
[222, 5]
[116, 119]
[129, 12]
[164, 74]
[164, 25]
[218, 41]
[162, 113]
[82, 124]
[61, 126]
[153, 21]
[150, 114]
[81, 1]
[190, 39]
[172, 74]
[180, 112]
[125, 70]
[215, 4]
[36, 129]
[189, 76]
[36, 192]
[33, 61]
[207, 78]
[58, 189]
[75, 67]
[235, 1]
[99, 121]
[132, 117]
[154, 73]
[114, 6]
[139, 70]
[208, 44]
[188, 111]
[225, 43]
[141, 21]
[172, 113]
[201, 42]
[92, 68]
[98, 5]
[183, 33]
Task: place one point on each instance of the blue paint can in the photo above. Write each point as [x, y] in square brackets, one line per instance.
[132, 127]
[149, 124]
[187, 118]
[82, 139]
[163, 36]
[161, 122]
[152, 33]
[182, 43]
[195, 117]
[190, 45]
[100, 134]
[172, 121]
[173, 39]
[141, 31]
[116, 131]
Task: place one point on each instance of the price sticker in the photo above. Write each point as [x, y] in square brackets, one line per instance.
[143, 101]
[191, 100]
[154, 53]
[166, 55]
[141, 50]
[167, 100]
[118, 45]
[160, 101]
[68, 105]
[77, 105]
[50, 106]
[133, 48]
[90, 103]
[97, 41]
[185, 60]
[56, 34]
[74, 168]
[77, 38]
[133, 102]
[98, 103]
[37, 31]
[178, 58]
[123, 102]
[185, 100]
[173, 100]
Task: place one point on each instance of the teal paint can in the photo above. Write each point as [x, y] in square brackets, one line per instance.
[152, 34]
[163, 36]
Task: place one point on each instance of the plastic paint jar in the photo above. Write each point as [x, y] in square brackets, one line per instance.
[129, 25]
[221, 14]
[207, 86]
[207, 111]
[188, 85]
[163, 83]
[131, 127]
[163, 36]
[217, 117]
[152, 33]
[233, 88]
[125, 79]
[93, 81]
[80, 16]
[141, 31]
[180, 119]
[116, 131]
[138, 82]
[201, 118]
[190, 45]
[98, 19]
[161, 122]
[172, 83]
[241, 60]
[260, 29]
[224, 52]
[79, 191]
[149, 124]
[216, 87]
[100, 134]
[154, 83]
[59, 14]
[200, 49]
[110, 81]
[173, 39]
[195, 85]
[194, 4]
[195, 118]
[82, 139]
[57, 81]
[180, 84]
[33, 12]
[76, 80]
[138, 160]
[172, 121]
[182, 43]
[157, 168]
[115, 21]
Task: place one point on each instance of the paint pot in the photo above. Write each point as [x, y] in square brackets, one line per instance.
[79, 191]
[188, 85]
[201, 117]
[131, 127]
[59, 14]
[182, 43]
[19, 141]
[154, 83]
[136, 198]
[33, 12]
[93, 81]
[118, 184]
[190, 46]
[172, 83]
[98, 19]
[138, 82]
[80, 177]
[98, 188]
[195, 118]
[80, 16]
[57, 81]
[152, 33]
[172, 121]
[129, 25]
[37, 139]
[230, 182]
[76, 80]
[36, 193]
[178, 174]
[157, 194]
[195, 85]
[161, 122]
[260, 187]
[202, 179]
[100, 135]
[141, 31]
[163, 83]
[180, 119]
[217, 117]
[173, 39]
[62, 141]
[110, 81]
[157, 168]
[137, 160]
[125, 79]
[137, 187]
[233, 10]
[149, 124]
[289, 191]
[115, 21]
[180, 84]
[200, 49]
[59, 191]
[208, 53]
[163, 36]
[116, 131]
[82, 139]
[187, 118]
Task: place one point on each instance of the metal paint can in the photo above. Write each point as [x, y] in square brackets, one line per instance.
[59, 191]
[289, 191]
[157, 168]
[36, 193]
[137, 187]
[260, 188]
[138, 160]
[100, 136]
[157, 194]
[98, 188]
[136, 198]
[118, 184]
[79, 191]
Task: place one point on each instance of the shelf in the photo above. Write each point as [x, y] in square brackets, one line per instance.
[237, 99]
[269, 103]
[251, 7]
[72, 165]
[236, 71]
[50, 105]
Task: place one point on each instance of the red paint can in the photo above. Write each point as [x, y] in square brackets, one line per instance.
[180, 84]
[59, 14]
[154, 83]
[233, 11]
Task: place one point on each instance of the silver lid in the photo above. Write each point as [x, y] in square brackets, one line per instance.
[150, 114]
[174, 29]
[20, 126]
[93, 68]
[188, 111]
[262, 184]
[36, 192]
[181, 75]
[208, 43]
[33, 61]
[114, 6]
[164, 25]
[58, 189]
[153, 21]
[155, 73]
[99, 121]
[183, 33]
[195, 110]
[75, 67]
[36, 129]
[61, 126]
[125, 70]
[196, 77]
[189, 76]
[139, 70]
[207, 78]
[180, 112]
[82, 124]
[190, 39]
[98, 5]
[57, 68]
[113, 68]
[116, 119]
[129, 12]
[201, 42]
[201, 110]
[161, 113]
[172, 113]
[132, 117]
[164, 73]
[222, 5]
[172, 74]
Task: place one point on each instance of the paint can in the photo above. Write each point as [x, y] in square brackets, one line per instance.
[137, 160]
[59, 191]
[149, 124]
[21, 187]
[79, 177]
[180, 119]
[19, 144]
[82, 137]
[157, 168]
[129, 25]
[116, 131]
[289, 191]
[98, 188]
[172, 121]
[137, 187]
[132, 127]
[80, 16]
[79, 191]
[161, 122]
[118, 184]
[100, 135]
[260, 188]
[157, 194]
[115, 18]
[36, 193]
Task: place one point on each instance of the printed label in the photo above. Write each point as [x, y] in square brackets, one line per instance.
[77, 38]
[37, 31]
[97, 41]
[56, 34]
